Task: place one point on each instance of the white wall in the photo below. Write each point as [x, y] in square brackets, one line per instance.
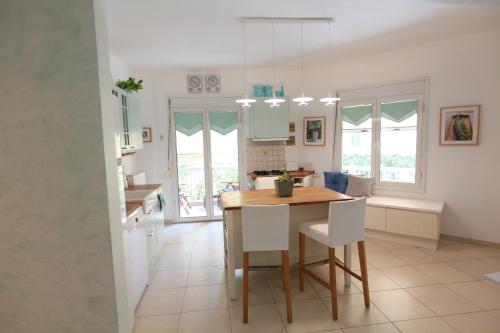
[59, 203]
[463, 70]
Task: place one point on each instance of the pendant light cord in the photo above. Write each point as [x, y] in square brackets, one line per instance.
[301, 61]
[330, 69]
[244, 72]
[274, 61]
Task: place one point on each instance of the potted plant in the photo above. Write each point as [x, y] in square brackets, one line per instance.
[130, 84]
[284, 185]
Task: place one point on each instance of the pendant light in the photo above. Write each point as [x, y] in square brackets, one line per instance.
[245, 101]
[302, 100]
[274, 101]
[330, 100]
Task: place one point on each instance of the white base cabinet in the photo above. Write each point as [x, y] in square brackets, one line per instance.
[138, 261]
[406, 220]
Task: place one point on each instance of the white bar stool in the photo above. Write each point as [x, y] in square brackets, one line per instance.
[345, 225]
[266, 228]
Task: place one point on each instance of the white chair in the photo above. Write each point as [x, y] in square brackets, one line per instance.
[345, 225]
[266, 228]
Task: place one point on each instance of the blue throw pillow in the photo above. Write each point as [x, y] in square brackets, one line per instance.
[336, 181]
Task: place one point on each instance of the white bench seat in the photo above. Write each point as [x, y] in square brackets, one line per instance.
[412, 221]
[428, 206]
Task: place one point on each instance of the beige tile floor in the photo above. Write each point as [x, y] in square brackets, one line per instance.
[412, 290]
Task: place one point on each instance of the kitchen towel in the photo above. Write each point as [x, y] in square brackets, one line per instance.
[161, 201]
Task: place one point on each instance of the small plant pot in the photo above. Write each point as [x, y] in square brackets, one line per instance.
[284, 189]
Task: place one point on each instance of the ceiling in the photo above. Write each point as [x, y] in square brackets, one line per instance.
[204, 34]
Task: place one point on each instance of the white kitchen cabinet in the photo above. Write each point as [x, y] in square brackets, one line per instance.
[131, 123]
[151, 239]
[137, 258]
[269, 123]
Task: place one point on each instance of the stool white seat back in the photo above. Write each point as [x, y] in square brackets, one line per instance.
[346, 222]
[344, 226]
[265, 227]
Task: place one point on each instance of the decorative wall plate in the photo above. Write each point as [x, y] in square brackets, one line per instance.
[195, 83]
[212, 83]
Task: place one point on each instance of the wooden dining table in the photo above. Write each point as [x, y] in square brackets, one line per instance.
[307, 203]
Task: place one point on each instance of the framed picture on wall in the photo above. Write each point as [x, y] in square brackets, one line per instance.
[459, 125]
[146, 134]
[314, 131]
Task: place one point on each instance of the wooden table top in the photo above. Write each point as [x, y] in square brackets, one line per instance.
[301, 196]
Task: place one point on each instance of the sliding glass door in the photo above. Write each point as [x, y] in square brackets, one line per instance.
[207, 161]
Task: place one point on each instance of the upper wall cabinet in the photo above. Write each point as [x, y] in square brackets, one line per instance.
[269, 123]
[130, 114]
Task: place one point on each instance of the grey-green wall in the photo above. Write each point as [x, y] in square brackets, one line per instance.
[56, 262]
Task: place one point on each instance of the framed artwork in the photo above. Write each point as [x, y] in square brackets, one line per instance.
[314, 131]
[459, 125]
[194, 83]
[212, 83]
[146, 134]
[291, 127]
[291, 140]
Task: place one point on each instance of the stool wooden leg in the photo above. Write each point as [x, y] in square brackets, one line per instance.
[245, 287]
[302, 254]
[285, 261]
[364, 272]
[333, 282]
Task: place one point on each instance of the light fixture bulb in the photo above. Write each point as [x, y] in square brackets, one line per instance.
[303, 100]
[329, 101]
[246, 102]
[274, 101]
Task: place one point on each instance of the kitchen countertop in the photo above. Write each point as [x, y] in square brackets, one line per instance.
[291, 174]
[143, 187]
[132, 206]
[301, 196]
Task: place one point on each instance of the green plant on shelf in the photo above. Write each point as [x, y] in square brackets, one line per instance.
[129, 85]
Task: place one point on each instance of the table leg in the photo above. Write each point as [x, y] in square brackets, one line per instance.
[230, 261]
[347, 263]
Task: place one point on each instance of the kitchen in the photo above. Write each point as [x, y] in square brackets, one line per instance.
[133, 129]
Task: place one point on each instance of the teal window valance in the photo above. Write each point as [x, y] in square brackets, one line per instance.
[399, 111]
[188, 123]
[223, 122]
[356, 115]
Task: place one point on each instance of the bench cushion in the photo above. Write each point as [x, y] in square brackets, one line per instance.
[336, 181]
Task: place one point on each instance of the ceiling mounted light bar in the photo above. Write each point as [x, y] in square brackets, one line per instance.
[264, 19]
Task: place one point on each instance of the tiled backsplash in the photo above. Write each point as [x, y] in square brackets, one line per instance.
[265, 155]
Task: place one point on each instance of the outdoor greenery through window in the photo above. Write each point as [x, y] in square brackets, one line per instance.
[380, 140]
[357, 140]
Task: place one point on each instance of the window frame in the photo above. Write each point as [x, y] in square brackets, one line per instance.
[376, 103]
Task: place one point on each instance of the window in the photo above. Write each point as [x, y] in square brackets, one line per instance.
[381, 139]
[357, 139]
